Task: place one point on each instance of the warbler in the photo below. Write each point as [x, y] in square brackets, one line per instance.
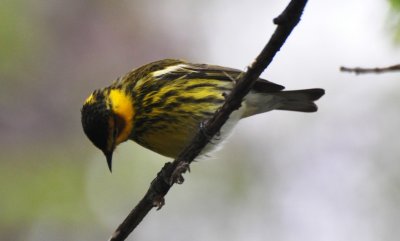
[161, 105]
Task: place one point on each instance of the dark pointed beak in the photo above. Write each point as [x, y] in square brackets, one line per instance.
[109, 159]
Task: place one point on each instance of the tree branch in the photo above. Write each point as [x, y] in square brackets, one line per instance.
[172, 172]
[358, 70]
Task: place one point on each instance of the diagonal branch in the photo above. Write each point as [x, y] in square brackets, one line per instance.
[172, 172]
[359, 70]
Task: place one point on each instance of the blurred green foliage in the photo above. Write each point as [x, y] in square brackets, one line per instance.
[394, 19]
[19, 35]
[395, 4]
[36, 185]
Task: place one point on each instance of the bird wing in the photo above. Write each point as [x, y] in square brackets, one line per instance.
[205, 71]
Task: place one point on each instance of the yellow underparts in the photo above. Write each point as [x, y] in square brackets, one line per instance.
[122, 105]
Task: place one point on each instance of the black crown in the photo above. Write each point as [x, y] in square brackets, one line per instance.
[95, 116]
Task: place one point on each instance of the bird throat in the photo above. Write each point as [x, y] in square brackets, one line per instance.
[122, 105]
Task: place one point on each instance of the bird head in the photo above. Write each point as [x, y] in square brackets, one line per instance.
[107, 119]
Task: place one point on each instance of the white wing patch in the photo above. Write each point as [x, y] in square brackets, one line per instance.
[167, 70]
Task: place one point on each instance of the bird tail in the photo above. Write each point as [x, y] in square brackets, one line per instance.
[299, 100]
[293, 100]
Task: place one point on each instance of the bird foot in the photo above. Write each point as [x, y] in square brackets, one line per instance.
[177, 175]
[158, 202]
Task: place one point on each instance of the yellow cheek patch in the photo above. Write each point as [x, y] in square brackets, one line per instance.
[122, 105]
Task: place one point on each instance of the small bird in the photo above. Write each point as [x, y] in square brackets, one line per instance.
[160, 105]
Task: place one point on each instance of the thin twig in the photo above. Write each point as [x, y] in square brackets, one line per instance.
[172, 172]
[359, 70]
